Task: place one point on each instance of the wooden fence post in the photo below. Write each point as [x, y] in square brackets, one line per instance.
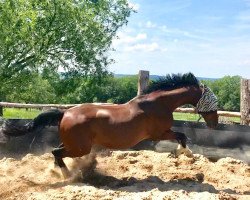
[143, 81]
[245, 102]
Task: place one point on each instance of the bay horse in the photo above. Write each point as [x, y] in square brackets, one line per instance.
[147, 116]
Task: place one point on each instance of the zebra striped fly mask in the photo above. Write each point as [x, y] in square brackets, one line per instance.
[208, 101]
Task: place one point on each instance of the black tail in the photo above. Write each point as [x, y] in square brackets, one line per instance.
[48, 118]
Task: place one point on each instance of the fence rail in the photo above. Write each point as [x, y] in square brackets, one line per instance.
[66, 106]
[142, 84]
[37, 106]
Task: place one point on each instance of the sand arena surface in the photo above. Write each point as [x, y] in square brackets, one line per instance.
[125, 175]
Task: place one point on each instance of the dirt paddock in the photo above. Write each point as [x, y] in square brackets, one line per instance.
[125, 175]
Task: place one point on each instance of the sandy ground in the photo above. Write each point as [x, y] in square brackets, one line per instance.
[125, 175]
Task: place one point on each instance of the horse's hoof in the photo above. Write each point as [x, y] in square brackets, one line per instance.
[65, 172]
[174, 153]
[189, 155]
[181, 150]
[56, 166]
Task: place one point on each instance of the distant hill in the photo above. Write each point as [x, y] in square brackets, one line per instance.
[155, 77]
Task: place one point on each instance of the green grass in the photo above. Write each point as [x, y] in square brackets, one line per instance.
[22, 113]
[186, 116]
[195, 117]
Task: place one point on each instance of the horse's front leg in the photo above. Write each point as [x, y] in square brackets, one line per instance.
[181, 139]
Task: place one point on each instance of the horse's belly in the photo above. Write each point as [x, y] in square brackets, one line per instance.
[119, 140]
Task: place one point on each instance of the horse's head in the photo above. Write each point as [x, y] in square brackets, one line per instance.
[208, 106]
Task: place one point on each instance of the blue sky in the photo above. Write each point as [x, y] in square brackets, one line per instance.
[210, 38]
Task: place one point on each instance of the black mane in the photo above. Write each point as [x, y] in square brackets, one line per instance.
[171, 82]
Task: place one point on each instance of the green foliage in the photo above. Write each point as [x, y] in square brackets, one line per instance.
[227, 89]
[72, 87]
[76, 89]
[47, 33]
[40, 36]
[27, 87]
[123, 89]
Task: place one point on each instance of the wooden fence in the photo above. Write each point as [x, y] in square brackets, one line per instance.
[66, 106]
[142, 84]
[245, 102]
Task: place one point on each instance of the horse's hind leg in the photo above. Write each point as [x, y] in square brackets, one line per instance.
[59, 154]
[77, 150]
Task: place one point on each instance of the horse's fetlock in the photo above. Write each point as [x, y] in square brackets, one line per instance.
[57, 152]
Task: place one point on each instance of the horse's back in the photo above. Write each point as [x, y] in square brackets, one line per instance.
[107, 125]
[94, 115]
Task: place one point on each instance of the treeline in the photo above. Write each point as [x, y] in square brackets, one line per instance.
[69, 87]
[227, 89]
[72, 87]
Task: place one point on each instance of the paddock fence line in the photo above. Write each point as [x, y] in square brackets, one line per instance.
[67, 106]
[143, 81]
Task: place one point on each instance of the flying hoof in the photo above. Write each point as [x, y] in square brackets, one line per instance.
[65, 172]
[181, 150]
[56, 166]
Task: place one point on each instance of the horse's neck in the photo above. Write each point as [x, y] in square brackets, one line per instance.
[181, 96]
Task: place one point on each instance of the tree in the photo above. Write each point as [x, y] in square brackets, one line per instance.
[125, 89]
[74, 35]
[227, 89]
[27, 87]
[73, 88]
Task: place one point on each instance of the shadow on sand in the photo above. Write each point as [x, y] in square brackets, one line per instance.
[131, 184]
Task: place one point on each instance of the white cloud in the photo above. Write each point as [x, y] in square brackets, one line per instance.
[134, 6]
[127, 39]
[183, 33]
[147, 47]
[149, 24]
[141, 36]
